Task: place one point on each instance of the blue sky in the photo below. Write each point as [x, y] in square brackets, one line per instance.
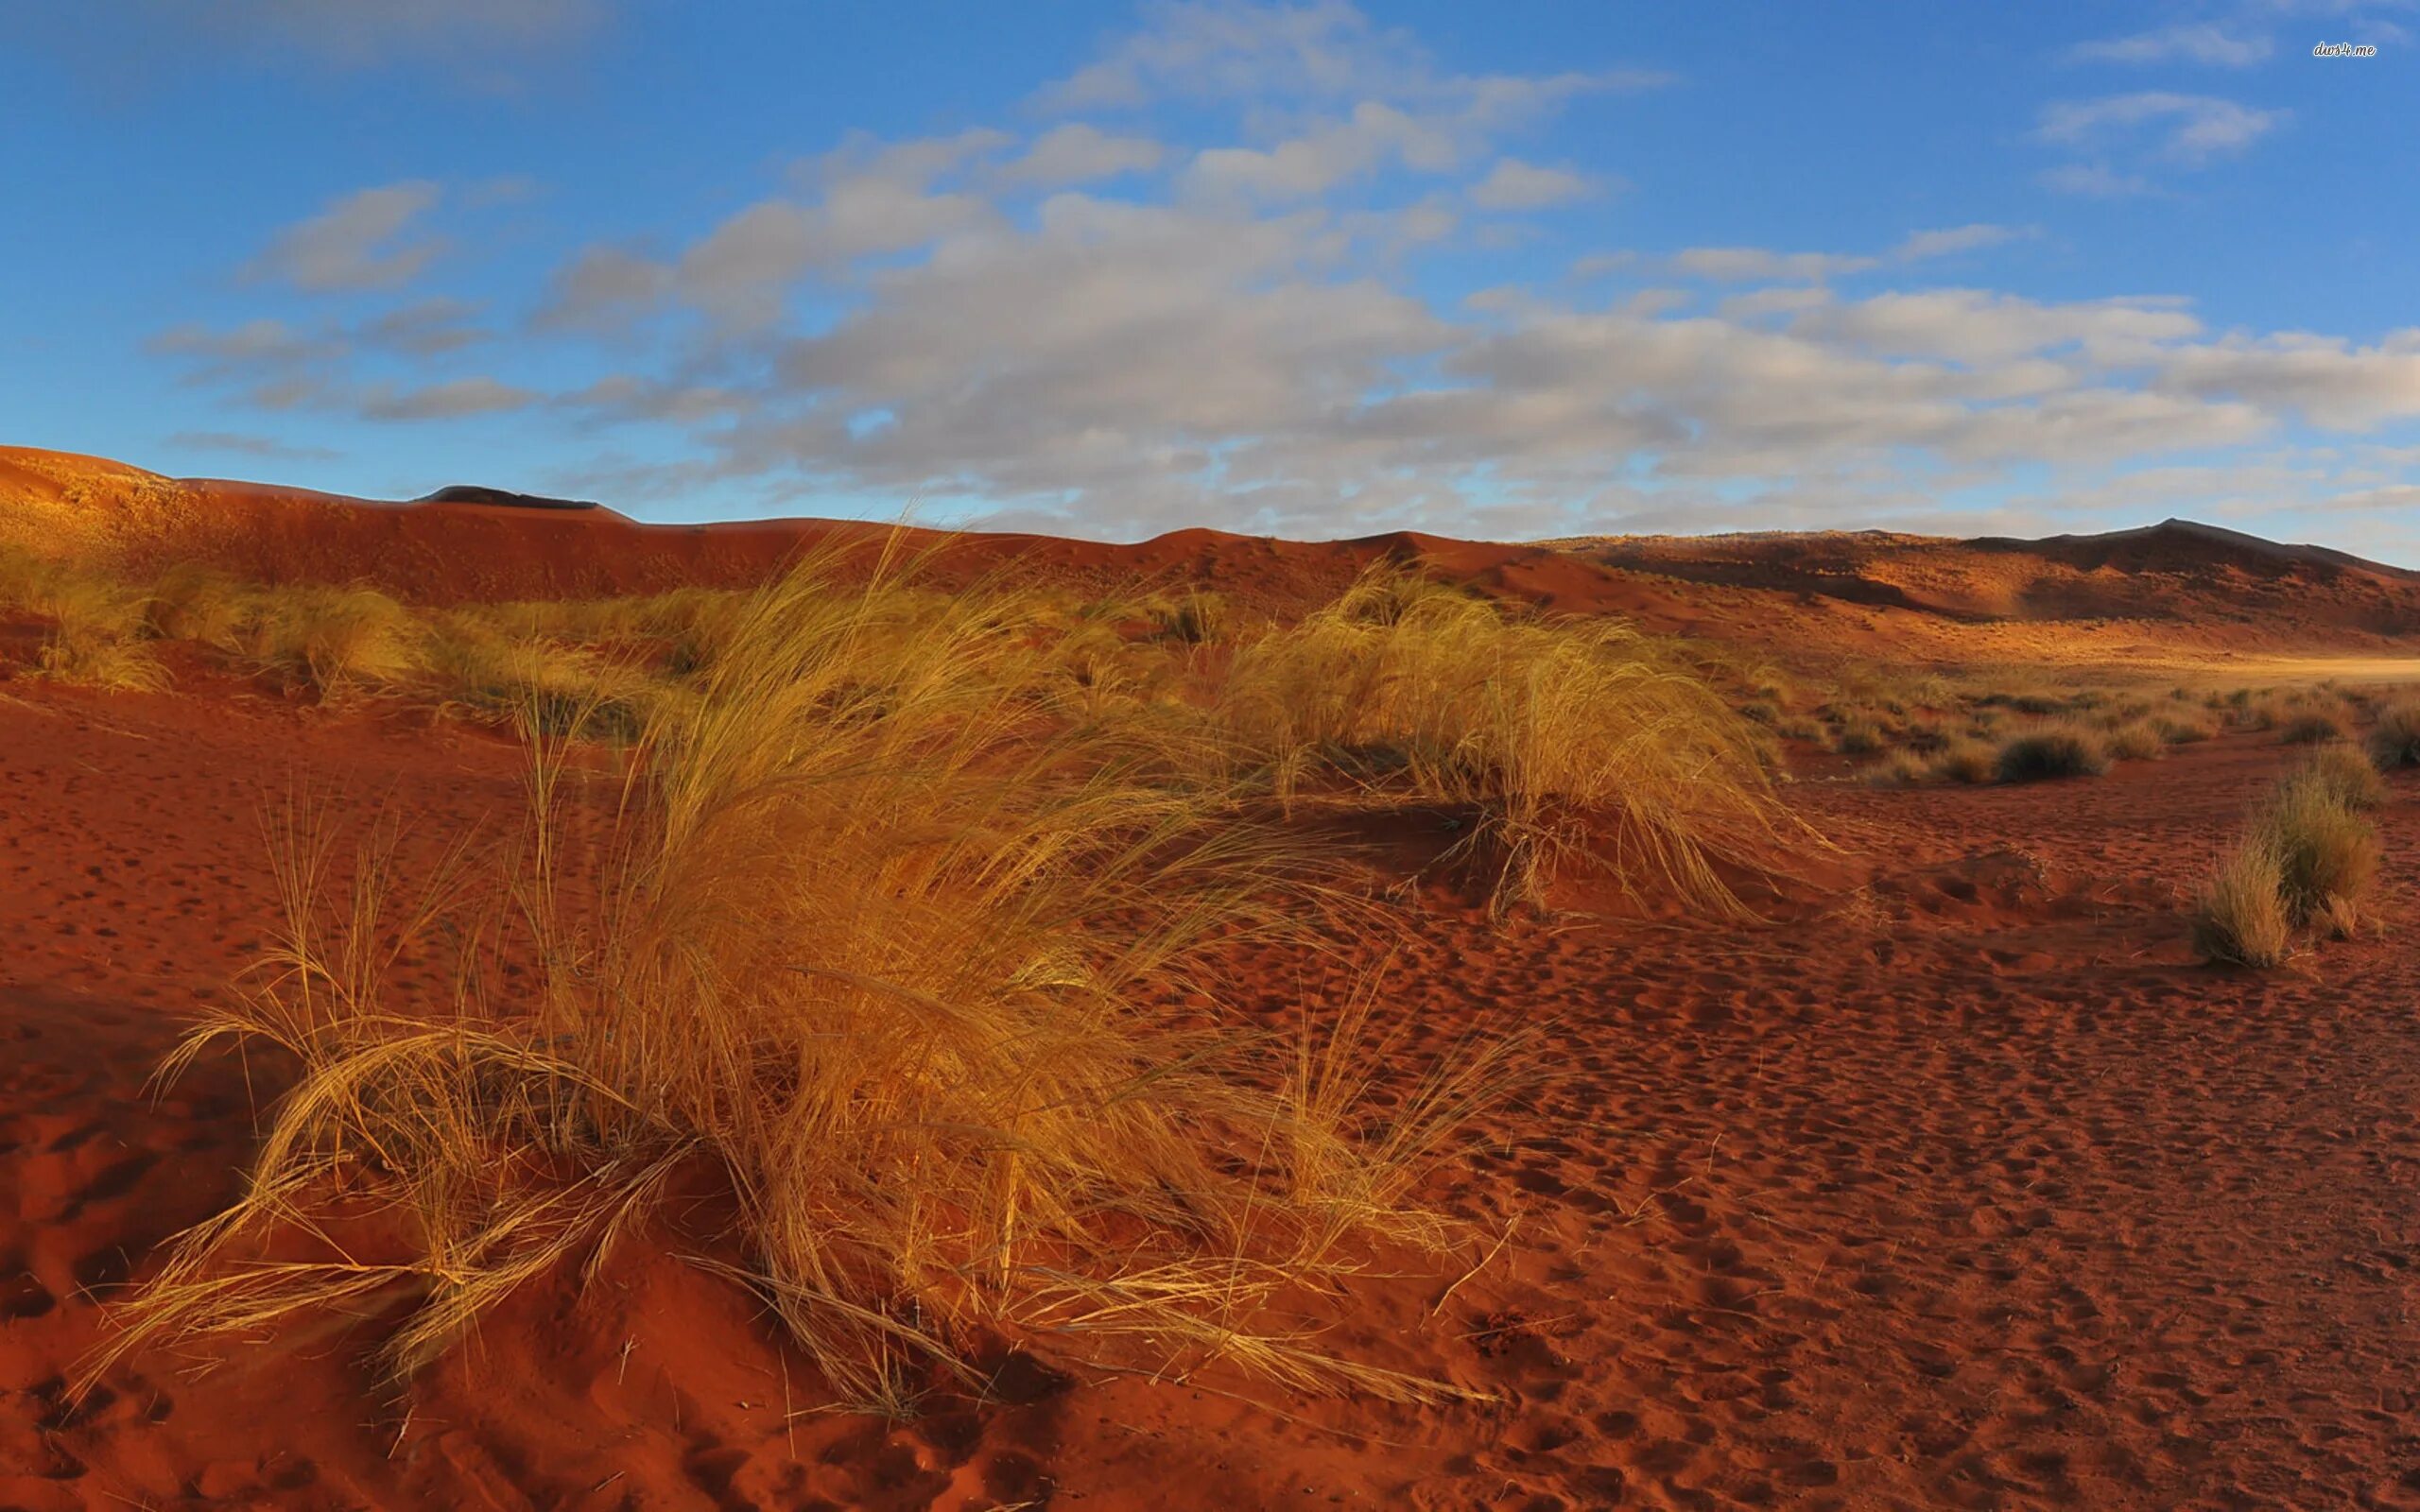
[1316, 270]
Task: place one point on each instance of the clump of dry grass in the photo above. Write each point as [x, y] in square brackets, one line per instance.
[2240, 915]
[2179, 730]
[2327, 852]
[1858, 736]
[2138, 741]
[1899, 769]
[878, 944]
[1965, 761]
[337, 639]
[2342, 773]
[97, 624]
[1575, 742]
[2395, 740]
[2312, 727]
[2051, 751]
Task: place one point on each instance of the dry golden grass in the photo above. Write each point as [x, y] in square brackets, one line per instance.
[1577, 742]
[2341, 772]
[2327, 853]
[2395, 740]
[2239, 915]
[2053, 750]
[1965, 761]
[879, 944]
[2138, 741]
[2312, 727]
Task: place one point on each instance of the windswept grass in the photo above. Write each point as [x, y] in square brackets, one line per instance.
[2327, 853]
[2052, 750]
[1575, 742]
[2345, 776]
[2395, 740]
[879, 946]
[2239, 915]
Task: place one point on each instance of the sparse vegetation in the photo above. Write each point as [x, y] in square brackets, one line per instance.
[2327, 853]
[2395, 740]
[1965, 761]
[2312, 727]
[1575, 742]
[2239, 915]
[884, 953]
[2051, 751]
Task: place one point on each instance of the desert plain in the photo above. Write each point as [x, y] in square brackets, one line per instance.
[1845, 1105]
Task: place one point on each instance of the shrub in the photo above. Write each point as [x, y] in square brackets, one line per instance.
[2139, 741]
[1573, 740]
[2312, 727]
[2238, 914]
[338, 638]
[1900, 769]
[1197, 618]
[2052, 750]
[2394, 741]
[1965, 761]
[96, 660]
[2326, 853]
[1858, 736]
[196, 603]
[2345, 776]
[886, 956]
[2178, 730]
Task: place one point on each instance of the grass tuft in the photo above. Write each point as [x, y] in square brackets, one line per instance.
[2051, 751]
[2240, 915]
[883, 946]
[1575, 741]
[2395, 740]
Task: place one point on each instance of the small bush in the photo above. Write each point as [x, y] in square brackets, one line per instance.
[2178, 730]
[1857, 737]
[2239, 916]
[103, 661]
[2341, 771]
[1965, 761]
[2323, 849]
[194, 602]
[2052, 750]
[2394, 742]
[1899, 769]
[2137, 742]
[1197, 618]
[2312, 727]
[338, 638]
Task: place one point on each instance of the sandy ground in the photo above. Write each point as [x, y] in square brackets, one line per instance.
[1962, 1187]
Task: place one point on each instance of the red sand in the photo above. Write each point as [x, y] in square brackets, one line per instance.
[1960, 1187]
[2177, 589]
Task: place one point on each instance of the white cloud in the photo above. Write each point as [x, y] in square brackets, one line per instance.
[352, 243]
[2094, 181]
[1952, 240]
[1079, 152]
[2186, 41]
[1757, 264]
[1512, 184]
[2190, 129]
[452, 400]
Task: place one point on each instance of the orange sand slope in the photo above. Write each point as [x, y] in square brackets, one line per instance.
[2174, 591]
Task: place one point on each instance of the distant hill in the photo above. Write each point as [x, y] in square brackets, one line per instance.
[2178, 585]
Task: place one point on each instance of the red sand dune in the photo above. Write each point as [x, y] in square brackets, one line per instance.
[2178, 588]
[1959, 1187]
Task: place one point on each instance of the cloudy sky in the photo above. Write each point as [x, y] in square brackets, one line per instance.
[1310, 270]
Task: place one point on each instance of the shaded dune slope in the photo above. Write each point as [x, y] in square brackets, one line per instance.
[2176, 585]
